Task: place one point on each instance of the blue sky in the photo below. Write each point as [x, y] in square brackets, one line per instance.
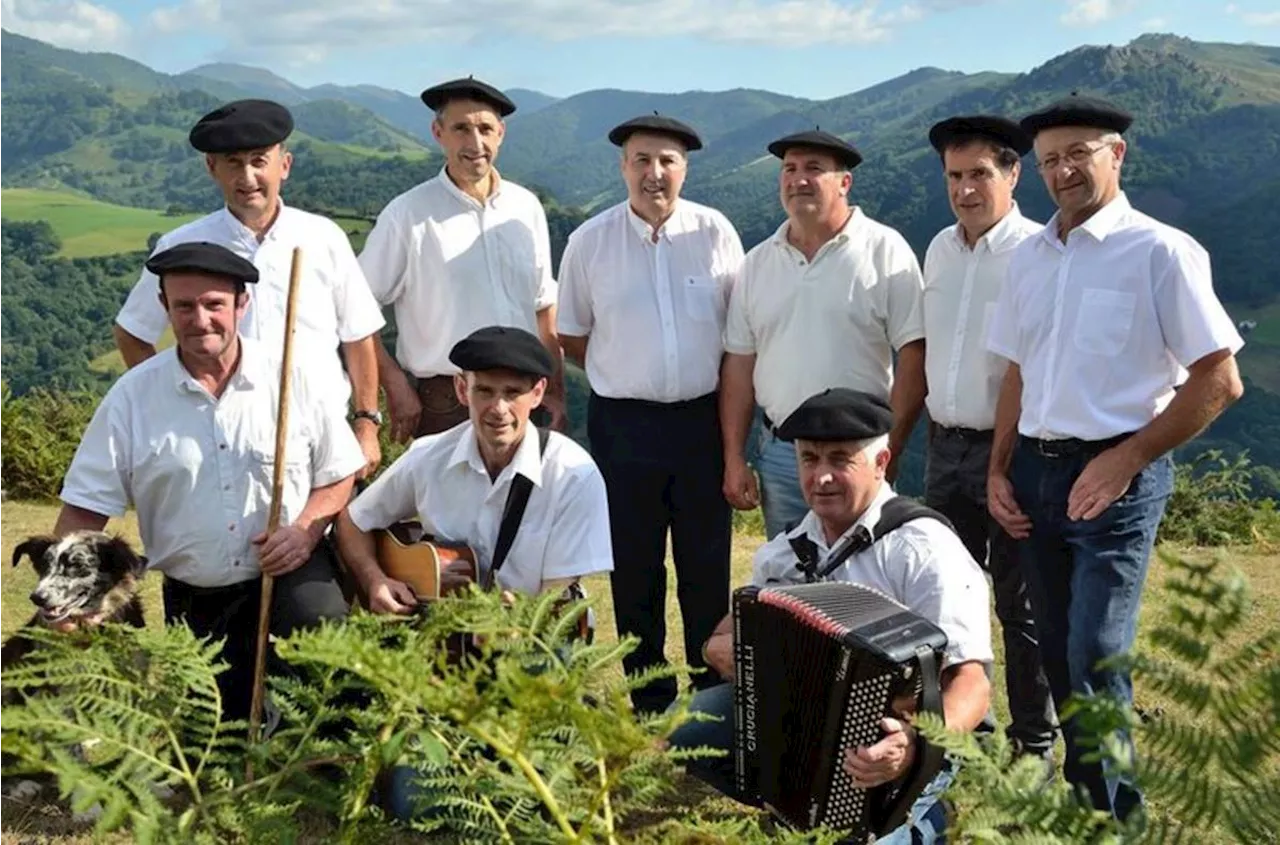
[810, 48]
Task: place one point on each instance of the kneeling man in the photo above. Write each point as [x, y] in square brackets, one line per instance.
[841, 442]
[187, 438]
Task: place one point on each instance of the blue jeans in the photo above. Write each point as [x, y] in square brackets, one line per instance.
[928, 819]
[1085, 582]
[780, 497]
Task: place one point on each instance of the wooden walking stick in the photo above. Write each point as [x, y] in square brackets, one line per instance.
[277, 493]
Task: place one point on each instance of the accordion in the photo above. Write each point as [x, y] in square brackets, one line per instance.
[817, 666]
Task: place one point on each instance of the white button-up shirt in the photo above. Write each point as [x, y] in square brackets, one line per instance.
[1104, 325]
[441, 482]
[451, 264]
[335, 305]
[922, 564]
[961, 285]
[199, 470]
[654, 308]
[831, 322]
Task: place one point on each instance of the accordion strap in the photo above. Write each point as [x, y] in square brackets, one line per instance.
[929, 757]
[895, 513]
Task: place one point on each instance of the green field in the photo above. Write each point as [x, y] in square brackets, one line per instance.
[1260, 358]
[88, 227]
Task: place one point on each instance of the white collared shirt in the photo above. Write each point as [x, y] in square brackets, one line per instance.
[199, 470]
[441, 482]
[922, 564]
[451, 264]
[335, 304]
[654, 310]
[961, 285]
[832, 322]
[1104, 325]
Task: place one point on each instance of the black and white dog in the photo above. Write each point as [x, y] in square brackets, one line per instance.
[87, 578]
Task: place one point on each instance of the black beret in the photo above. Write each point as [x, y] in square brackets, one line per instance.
[242, 125]
[203, 257]
[502, 348]
[838, 413]
[658, 125]
[470, 88]
[999, 129]
[816, 138]
[1077, 111]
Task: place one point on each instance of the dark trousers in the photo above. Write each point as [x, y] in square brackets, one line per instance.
[1085, 579]
[956, 487]
[663, 467]
[441, 409]
[299, 599]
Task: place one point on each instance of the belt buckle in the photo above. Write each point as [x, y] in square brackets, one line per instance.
[1055, 448]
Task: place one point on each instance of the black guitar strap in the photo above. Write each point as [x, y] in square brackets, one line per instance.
[513, 512]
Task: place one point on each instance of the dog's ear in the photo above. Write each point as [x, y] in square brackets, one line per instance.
[116, 555]
[34, 548]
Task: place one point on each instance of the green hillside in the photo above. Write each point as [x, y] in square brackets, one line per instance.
[85, 226]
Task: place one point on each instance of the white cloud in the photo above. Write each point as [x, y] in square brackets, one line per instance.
[1155, 23]
[1093, 12]
[297, 33]
[1254, 18]
[74, 24]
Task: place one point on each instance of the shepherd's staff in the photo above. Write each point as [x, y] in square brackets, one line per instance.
[273, 518]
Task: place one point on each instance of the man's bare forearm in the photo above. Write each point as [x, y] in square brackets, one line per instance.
[358, 550]
[388, 367]
[361, 357]
[322, 506]
[907, 397]
[551, 340]
[737, 398]
[1008, 409]
[72, 518]
[133, 350]
[718, 649]
[575, 348]
[1213, 383]
[966, 696]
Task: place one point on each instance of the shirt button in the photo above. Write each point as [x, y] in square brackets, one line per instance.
[231, 527]
[226, 487]
[222, 445]
[237, 563]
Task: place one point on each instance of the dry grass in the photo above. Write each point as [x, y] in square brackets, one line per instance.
[26, 824]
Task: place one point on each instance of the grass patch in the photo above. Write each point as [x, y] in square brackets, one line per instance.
[85, 226]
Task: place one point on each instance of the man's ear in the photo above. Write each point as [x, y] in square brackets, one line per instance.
[117, 555]
[460, 389]
[34, 548]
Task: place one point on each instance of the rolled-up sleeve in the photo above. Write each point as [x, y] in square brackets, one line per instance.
[358, 312]
[739, 339]
[391, 498]
[574, 316]
[904, 317]
[1192, 319]
[385, 257]
[142, 315]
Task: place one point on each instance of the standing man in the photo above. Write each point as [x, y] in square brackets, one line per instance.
[1099, 316]
[824, 302]
[187, 438]
[644, 289]
[463, 250]
[244, 150]
[964, 271]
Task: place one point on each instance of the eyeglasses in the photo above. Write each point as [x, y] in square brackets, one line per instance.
[1073, 158]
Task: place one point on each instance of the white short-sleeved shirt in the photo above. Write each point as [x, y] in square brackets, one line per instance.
[335, 304]
[832, 322]
[451, 264]
[199, 470]
[654, 309]
[441, 481]
[922, 564]
[961, 285]
[1104, 326]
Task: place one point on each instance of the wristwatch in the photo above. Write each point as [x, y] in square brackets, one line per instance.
[373, 416]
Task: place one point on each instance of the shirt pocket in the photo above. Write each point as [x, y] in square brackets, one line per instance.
[1104, 321]
[703, 299]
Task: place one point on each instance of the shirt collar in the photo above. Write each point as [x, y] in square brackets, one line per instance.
[244, 233]
[670, 227]
[526, 460]
[848, 230]
[249, 371]
[466, 198]
[999, 237]
[812, 527]
[1102, 223]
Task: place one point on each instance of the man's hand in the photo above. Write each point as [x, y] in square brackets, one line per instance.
[555, 407]
[403, 406]
[284, 549]
[1105, 478]
[455, 576]
[740, 488]
[387, 595]
[1003, 505]
[367, 435]
[887, 760]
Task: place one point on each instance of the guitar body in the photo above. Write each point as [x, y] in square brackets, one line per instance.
[405, 555]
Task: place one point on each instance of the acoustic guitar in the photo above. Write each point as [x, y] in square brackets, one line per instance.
[407, 554]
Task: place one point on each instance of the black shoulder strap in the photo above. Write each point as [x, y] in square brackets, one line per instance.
[513, 510]
[895, 513]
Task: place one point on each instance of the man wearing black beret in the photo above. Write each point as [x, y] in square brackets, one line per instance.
[245, 152]
[643, 290]
[187, 438]
[825, 302]
[964, 271]
[462, 250]
[1103, 314]
[840, 439]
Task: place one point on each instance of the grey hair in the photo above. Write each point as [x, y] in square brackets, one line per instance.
[871, 448]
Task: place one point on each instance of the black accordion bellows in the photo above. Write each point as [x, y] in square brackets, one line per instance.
[817, 666]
